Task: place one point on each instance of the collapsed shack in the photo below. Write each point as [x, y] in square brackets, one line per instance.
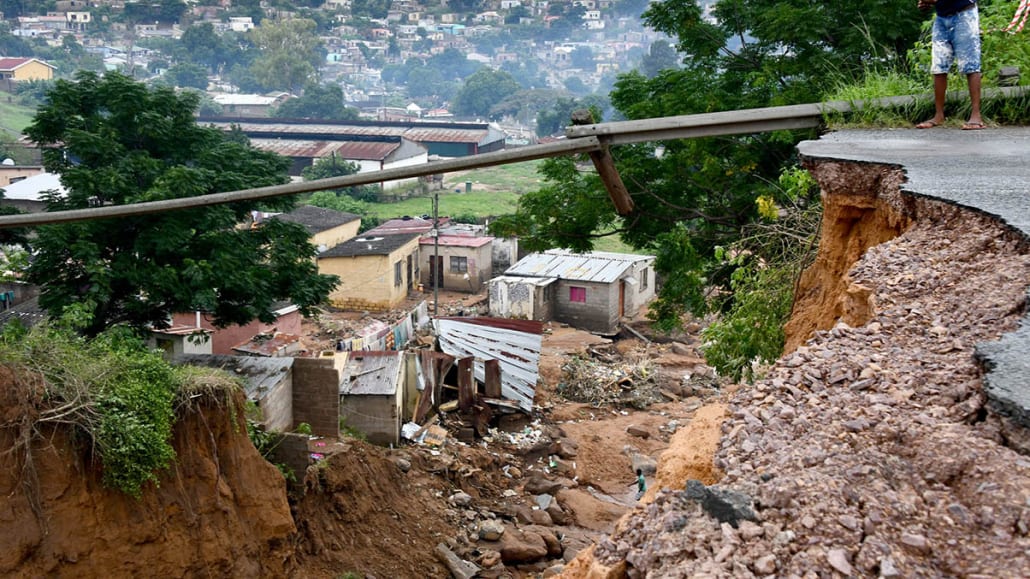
[487, 368]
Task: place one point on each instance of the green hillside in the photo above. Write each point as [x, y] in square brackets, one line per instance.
[14, 117]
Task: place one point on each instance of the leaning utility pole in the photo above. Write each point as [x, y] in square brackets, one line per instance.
[436, 253]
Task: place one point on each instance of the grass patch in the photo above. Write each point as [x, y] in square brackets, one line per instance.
[482, 204]
[613, 244]
[14, 117]
[516, 178]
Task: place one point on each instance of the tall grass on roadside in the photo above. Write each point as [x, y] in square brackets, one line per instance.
[912, 77]
[875, 84]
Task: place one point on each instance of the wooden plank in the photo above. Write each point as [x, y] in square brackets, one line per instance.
[492, 370]
[636, 333]
[428, 396]
[481, 419]
[459, 568]
[466, 385]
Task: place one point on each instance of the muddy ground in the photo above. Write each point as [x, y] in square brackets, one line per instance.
[382, 512]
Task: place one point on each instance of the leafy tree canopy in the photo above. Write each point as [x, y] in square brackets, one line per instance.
[553, 120]
[319, 101]
[331, 166]
[482, 91]
[289, 54]
[370, 8]
[695, 196]
[187, 75]
[661, 56]
[116, 142]
[200, 44]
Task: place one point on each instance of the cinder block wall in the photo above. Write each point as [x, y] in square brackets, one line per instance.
[292, 451]
[597, 314]
[316, 395]
[359, 304]
[277, 406]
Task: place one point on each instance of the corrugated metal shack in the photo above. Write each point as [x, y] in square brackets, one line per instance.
[372, 395]
[591, 291]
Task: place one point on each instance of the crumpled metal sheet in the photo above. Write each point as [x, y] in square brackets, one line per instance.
[515, 344]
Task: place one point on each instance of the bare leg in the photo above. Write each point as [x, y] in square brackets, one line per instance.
[974, 98]
[940, 91]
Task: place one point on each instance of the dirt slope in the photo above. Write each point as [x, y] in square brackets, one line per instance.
[362, 513]
[220, 512]
[868, 451]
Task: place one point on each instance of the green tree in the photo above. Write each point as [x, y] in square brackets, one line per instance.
[11, 44]
[523, 105]
[661, 56]
[553, 119]
[116, 142]
[699, 195]
[370, 8]
[453, 64]
[167, 11]
[332, 167]
[200, 44]
[319, 101]
[187, 75]
[331, 200]
[288, 54]
[483, 90]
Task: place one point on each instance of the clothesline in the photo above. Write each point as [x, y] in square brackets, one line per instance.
[393, 337]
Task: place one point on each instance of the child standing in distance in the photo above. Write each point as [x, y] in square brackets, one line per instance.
[641, 484]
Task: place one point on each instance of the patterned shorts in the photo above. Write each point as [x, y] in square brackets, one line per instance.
[956, 38]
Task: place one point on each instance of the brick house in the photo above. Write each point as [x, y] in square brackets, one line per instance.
[376, 270]
[327, 227]
[591, 291]
[465, 263]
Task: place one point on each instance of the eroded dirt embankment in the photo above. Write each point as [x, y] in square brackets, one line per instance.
[869, 449]
[220, 511]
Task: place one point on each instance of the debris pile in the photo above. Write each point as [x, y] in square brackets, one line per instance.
[614, 384]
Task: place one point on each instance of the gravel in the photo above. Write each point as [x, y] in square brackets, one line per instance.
[870, 451]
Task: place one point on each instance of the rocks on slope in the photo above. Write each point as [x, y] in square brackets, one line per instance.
[869, 451]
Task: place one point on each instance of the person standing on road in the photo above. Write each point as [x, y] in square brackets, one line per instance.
[956, 38]
[641, 484]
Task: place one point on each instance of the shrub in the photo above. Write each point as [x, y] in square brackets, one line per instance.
[117, 396]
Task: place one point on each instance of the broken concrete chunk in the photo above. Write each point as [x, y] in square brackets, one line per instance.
[838, 559]
[522, 547]
[460, 499]
[538, 485]
[637, 431]
[544, 501]
[491, 530]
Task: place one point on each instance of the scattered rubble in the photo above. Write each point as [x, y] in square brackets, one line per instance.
[869, 451]
[609, 384]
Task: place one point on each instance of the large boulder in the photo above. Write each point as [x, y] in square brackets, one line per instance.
[538, 485]
[522, 547]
